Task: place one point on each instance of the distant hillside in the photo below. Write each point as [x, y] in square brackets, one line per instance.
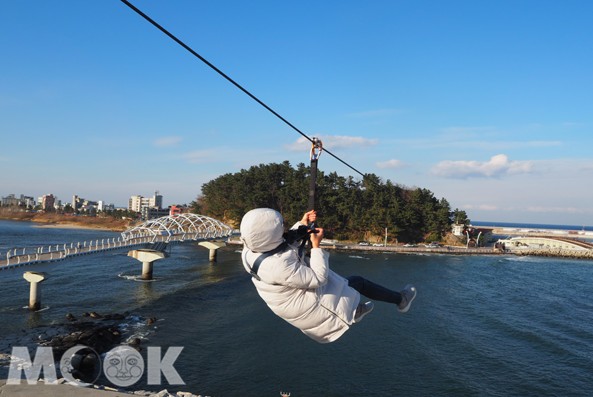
[91, 222]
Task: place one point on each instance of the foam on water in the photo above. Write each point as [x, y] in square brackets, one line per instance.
[136, 277]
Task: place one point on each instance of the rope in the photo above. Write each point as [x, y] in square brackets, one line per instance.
[220, 72]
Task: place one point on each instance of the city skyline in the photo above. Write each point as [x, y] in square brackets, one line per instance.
[486, 105]
[135, 201]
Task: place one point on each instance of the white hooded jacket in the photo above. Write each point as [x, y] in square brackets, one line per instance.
[305, 293]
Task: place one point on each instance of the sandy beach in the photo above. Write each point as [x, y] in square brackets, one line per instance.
[52, 220]
[75, 226]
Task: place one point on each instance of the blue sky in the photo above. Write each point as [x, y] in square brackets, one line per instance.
[488, 104]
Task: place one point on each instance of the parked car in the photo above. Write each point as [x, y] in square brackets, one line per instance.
[363, 243]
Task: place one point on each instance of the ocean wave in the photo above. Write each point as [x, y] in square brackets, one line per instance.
[137, 328]
[524, 259]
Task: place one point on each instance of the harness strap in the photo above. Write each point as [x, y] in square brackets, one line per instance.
[254, 269]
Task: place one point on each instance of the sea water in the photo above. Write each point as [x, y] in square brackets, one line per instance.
[480, 326]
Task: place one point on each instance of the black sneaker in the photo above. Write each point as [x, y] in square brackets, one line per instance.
[362, 310]
[408, 295]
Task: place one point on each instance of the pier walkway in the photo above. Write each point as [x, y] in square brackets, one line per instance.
[420, 249]
[156, 232]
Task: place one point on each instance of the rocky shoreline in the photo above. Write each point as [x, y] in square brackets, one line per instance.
[63, 389]
[99, 333]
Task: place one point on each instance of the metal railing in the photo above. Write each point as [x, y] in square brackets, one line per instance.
[31, 255]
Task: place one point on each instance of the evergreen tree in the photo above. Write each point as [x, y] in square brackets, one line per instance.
[348, 208]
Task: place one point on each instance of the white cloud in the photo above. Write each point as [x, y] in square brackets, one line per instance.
[586, 167]
[393, 163]
[481, 207]
[341, 141]
[476, 138]
[167, 141]
[199, 156]
[332, 142]
[497, 166]
[571, 124]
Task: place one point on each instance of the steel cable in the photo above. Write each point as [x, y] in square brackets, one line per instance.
[220, 72]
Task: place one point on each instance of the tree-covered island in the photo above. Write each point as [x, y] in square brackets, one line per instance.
[349, 209]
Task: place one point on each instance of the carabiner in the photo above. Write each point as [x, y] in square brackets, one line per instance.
[316, 148]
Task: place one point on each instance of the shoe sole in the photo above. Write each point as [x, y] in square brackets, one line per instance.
[405, 309]
[359, 319]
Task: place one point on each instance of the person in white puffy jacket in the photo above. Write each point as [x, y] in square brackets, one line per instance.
[304, 291]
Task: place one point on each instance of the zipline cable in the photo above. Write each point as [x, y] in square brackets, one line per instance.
[220, 72]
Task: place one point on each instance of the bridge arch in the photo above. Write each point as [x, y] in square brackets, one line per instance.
[176, 226]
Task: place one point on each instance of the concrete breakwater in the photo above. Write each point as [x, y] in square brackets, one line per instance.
[453, 250]
[525, 231]
[554, 253]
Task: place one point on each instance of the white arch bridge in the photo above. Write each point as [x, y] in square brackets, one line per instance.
[180, 227]
[154, 235]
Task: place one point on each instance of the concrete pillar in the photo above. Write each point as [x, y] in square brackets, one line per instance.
[213, 246]
[34, 278]
[147, 257]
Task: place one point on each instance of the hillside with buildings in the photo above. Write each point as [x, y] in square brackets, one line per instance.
[53, 218]
[84, 213]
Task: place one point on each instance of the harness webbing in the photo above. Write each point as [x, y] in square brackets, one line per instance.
[254, 269]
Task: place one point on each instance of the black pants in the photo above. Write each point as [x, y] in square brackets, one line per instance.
[374, 291]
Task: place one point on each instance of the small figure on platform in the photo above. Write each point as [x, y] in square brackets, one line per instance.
[304, 291]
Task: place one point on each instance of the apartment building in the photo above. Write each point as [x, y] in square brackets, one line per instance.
[137, 203]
